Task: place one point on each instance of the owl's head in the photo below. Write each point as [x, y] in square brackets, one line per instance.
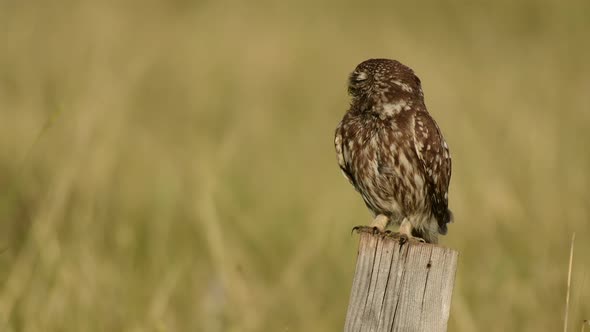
[384, 78]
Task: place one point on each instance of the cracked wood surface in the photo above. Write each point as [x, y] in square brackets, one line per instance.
[400, 287]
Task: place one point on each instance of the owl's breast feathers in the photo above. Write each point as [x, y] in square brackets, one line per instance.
[400, 164]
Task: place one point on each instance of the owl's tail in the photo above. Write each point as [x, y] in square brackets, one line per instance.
[444, 220]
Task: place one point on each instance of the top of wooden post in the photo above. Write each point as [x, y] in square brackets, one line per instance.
[400, 286]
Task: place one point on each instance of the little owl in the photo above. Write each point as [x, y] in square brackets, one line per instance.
[393, 153]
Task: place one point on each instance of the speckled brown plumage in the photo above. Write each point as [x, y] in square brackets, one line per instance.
[392, 151]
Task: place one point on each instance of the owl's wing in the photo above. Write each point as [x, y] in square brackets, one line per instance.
[433, 152]
[343, 155]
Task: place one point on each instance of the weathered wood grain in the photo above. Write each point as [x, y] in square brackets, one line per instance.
[400, 287]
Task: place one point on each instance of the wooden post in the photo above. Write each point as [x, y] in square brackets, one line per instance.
[400, 287]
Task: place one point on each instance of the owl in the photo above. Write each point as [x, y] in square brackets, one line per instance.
[393, 152]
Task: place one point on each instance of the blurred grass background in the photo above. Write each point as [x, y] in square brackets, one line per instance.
[169, 165]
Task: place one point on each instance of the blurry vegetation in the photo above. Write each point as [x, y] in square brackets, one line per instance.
[188, 180]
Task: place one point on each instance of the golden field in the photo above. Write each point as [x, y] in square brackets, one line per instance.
[169, 165]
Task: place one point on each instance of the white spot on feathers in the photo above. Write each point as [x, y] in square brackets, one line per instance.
[361, 76]
[418, 180]
[391, 109]
[405, 162]
[402, 85]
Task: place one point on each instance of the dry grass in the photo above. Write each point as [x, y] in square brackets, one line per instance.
[187, 180]
[569, 283]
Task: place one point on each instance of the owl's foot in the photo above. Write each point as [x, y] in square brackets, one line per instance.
[404, 238]
[366, 229]
[378, 225]
[405, 233]
[408, 238]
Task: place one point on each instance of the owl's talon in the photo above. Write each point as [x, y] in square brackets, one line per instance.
[368, 229]
[403, 238]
